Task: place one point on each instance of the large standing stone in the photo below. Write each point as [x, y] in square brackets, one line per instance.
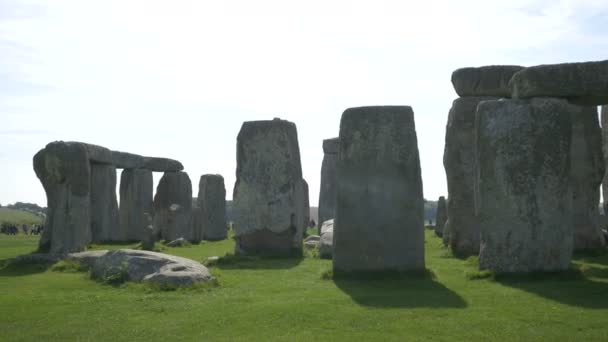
[379, 221]
[212, 206]
[441, 216]
[136, 190]
[587, 171]
[492, 80]
[173, 206]
[462, 233]
[105, 225]
[580, 83]
[269, 190]
[65, 173]
[524, 201]
[327, 194]
[604, 115]
[303, 205]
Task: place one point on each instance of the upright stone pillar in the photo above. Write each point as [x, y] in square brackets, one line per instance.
[65, 173]
[173, 206]
[105, 225]
[327, 194]
[587, 172]
[211, 201]
[269, 190]
[604, 116]
[441, 217]
[379, 224]
[459, 163]
[524, 203]
[136, 189]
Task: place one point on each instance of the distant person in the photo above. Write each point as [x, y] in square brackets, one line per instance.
[24, 229]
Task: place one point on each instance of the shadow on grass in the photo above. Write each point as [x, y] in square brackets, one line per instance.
[261, 262]
[11, 268]
[398, 290]
[571, 287]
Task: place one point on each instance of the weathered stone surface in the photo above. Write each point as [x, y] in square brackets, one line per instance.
[124, 160]
[459, 163]
[380, 210]
[326, 243]
[149, 234]
[523, 202]
[312, 238]
[331, 146]
[105, 225]
[327, 194]
[173, 206]
[65, 173]
[136, 190]
[303, 207]
[181, 242]
[587, 171]
[269, 190]
[492, 80]
[327, 226]
[145, 266]
[162, 164]
[441, 216]
[604, 118]
[211, 222]
[580, 83]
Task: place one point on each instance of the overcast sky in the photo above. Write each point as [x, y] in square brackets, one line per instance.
[177, 78]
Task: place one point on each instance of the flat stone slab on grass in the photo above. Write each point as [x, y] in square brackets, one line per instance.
[491, 80]
[580, 83]
[144, 266]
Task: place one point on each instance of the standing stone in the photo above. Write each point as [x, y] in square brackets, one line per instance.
[269, 190]
[587, 171]
[524, 203]
[105, 224]
[327, 194]
[211, 201]
[136, 190]
[580, 83]
[379, 222]
[459, 163]
[173, 206]
[441, 216]
[149, 234]
[303, 214]
[65, 173]
[604, 115]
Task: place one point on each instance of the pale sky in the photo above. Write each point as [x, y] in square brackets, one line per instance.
[177, 78]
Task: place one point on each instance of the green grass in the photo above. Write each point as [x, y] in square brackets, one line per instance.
[300, 299]
[19, 217]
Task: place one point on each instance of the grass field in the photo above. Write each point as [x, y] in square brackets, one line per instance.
[19, 217]
[287, 299]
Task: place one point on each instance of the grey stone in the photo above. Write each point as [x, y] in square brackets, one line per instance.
[492, 80]
[65, 173]
[524, 203]
[327, 194]
[145, 266]
[580, 83]
[379, 222]
[211, 223]
[97, 154]
[326, 245]
[181, 242]
[173, 206]
[587, 171]
[441, 216]
[604, 116]
[136, 190]
[312, 238]
[459, 164]
[311, 244]
[124, 160]
[162, 164]
[269, 194]
[149, 234]
[105, 225]
[303, 207]
[327, 226]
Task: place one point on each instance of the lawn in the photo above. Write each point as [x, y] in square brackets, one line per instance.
[287, 299]
[19, 217]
